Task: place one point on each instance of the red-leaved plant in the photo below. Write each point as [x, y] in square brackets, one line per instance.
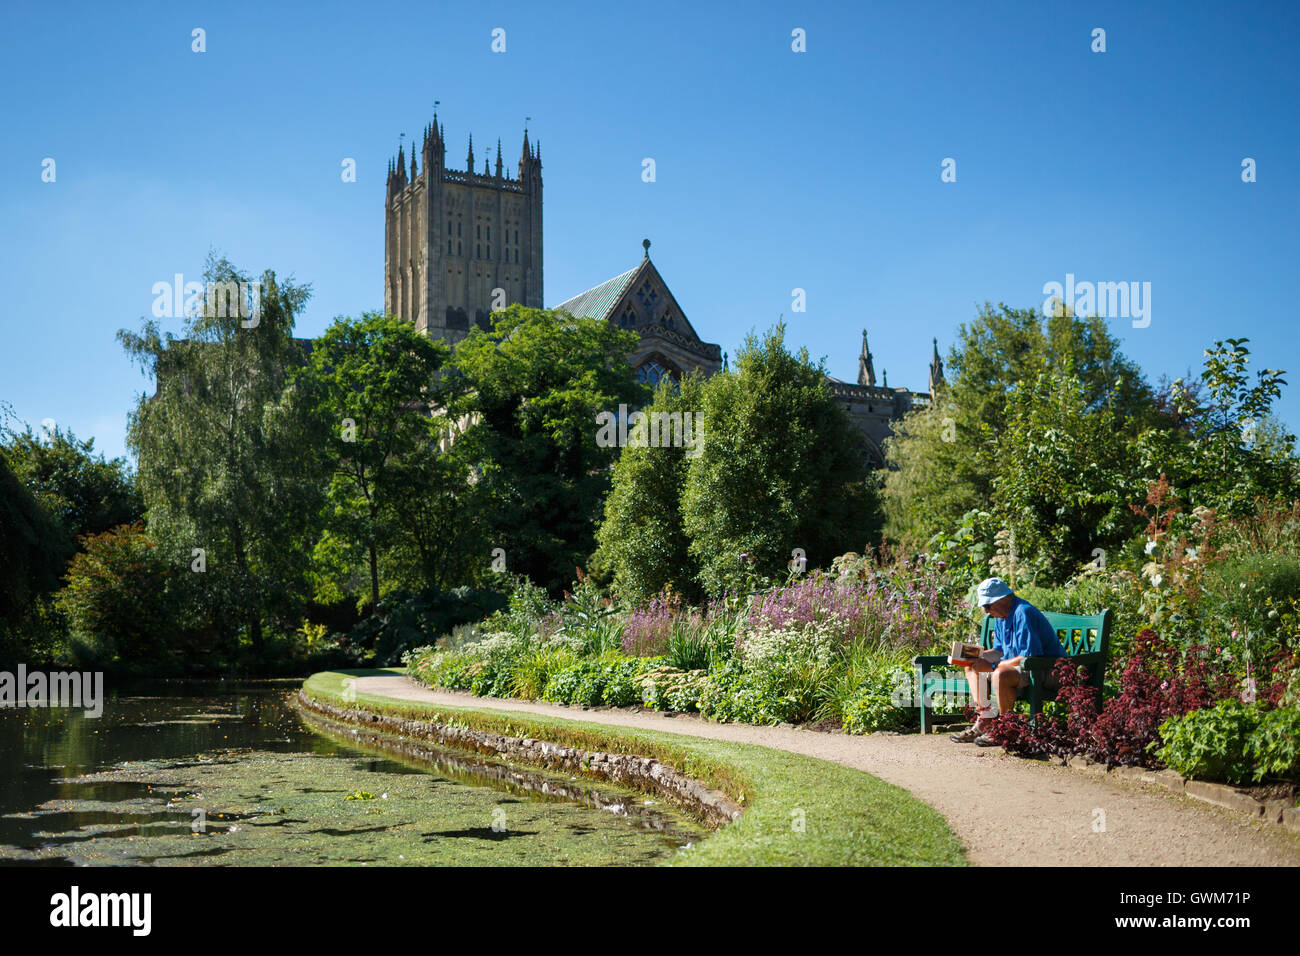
[1158, 681]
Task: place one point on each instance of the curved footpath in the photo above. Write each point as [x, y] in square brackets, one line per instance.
[1003, 808]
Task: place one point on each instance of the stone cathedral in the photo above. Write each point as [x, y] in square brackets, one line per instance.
[459, 244]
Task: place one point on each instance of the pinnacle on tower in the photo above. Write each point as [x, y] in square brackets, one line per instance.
[936, 369]
[866, 369]
[498, 157]
[469, 161]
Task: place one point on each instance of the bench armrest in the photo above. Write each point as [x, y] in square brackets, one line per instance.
[930, 660]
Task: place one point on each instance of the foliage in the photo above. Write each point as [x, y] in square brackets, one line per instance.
[31, 552]
[1211, 744]
[84, 493]
[530, 391]
[403, 619]
[944, 457]
[863, 699]
[779, 470]
[642, 542]
[1226, 455]
[1159, 681]
[1065, 474]
[223, 453]
[124, 603]
[368, 385]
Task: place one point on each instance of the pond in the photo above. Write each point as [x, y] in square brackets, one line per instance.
[233, 774]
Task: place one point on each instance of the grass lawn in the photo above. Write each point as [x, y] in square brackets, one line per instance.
[849, 818]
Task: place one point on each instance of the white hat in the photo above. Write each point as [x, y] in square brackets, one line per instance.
[990, 590]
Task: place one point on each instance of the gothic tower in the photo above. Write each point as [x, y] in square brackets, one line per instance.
[459, 244]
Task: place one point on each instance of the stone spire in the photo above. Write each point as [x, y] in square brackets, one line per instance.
[498, 158]
[469, 159]
[936, 369]
[866, 370]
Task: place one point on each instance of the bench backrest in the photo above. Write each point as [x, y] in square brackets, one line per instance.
[1079, 633]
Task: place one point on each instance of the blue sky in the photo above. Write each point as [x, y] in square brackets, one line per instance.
[775, 170]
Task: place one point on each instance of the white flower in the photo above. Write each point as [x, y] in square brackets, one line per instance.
[1158, 580]
[1151, 546]
[1192, 553]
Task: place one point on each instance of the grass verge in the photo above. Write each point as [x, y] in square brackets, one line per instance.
[800, 811]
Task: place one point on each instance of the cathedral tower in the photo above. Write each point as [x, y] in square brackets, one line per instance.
[452, 238]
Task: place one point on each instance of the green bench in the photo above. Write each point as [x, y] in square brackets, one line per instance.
[1085, 637]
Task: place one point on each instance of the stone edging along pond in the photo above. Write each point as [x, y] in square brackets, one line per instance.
[647, 774]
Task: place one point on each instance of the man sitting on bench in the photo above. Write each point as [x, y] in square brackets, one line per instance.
[1020, 631]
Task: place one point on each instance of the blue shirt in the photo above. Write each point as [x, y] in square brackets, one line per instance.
[1025, 632]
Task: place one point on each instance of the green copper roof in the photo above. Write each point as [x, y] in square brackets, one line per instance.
[596, 303]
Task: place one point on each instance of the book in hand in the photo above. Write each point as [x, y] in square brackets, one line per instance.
[964, 654]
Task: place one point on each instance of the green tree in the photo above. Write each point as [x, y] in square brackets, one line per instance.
[1066, 474]
[369, 385]
[780, 469]
[641, 540]
[1229, 449]
[33, 548]
[122, 602]
[81, 491]
[943, 458]
[224, 451]
[528, 394]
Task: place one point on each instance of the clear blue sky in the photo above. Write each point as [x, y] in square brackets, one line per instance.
[775, 169]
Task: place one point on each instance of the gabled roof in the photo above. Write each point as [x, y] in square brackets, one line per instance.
[596, 303]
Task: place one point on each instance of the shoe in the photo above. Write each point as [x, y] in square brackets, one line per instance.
[968, 735]
[984, 740]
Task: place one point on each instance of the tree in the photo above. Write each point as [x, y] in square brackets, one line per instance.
[369, 385]
[81, 491]
[780, 470]
[1229, 449]
[527, 394]
[1065, 475]
[223, 451]
[33, 548]
[642, 542]
[122, 599]
[943, 459]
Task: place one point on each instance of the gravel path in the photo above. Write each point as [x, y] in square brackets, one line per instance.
[1003, 808]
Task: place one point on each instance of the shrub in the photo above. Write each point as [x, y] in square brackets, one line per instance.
[669, 688]
[403, 620]
[1210, 744]
[871, 708]
[122, 600]
[1159, 681]
[610, 679]
[1274, 748]
[1234, 742]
